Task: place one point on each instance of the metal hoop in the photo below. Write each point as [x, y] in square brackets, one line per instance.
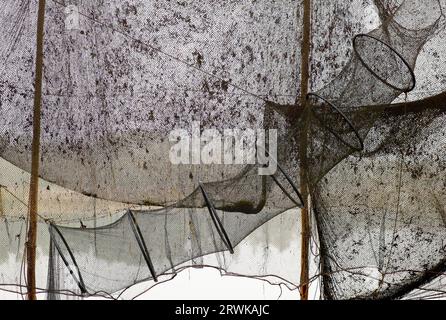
[412, 75]
[350, 124]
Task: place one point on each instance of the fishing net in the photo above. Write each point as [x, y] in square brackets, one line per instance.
[379, 212]
[112, 133]
[119, 77]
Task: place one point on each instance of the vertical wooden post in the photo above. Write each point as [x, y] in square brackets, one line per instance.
[35, 158]
[304, 83]
[1, 201]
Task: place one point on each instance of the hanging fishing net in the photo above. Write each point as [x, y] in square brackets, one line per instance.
[120, 77]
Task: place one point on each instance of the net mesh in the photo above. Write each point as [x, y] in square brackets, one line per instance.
[120, 76]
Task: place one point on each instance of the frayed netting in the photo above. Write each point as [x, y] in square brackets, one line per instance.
[120, 76]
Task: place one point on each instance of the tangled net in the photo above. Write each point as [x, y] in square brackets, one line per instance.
[120, 76]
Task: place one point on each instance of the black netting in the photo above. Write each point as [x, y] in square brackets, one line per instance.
[120, 76]
[379, 211]
[150, 243]
[115, 87]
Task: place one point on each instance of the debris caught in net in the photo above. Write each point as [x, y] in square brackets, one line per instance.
[120, 76]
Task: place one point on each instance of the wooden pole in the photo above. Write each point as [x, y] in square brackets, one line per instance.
[1, 201]
[35, 158]
[305, 222]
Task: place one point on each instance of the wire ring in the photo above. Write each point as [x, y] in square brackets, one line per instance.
[347, 120]
[412, 75]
